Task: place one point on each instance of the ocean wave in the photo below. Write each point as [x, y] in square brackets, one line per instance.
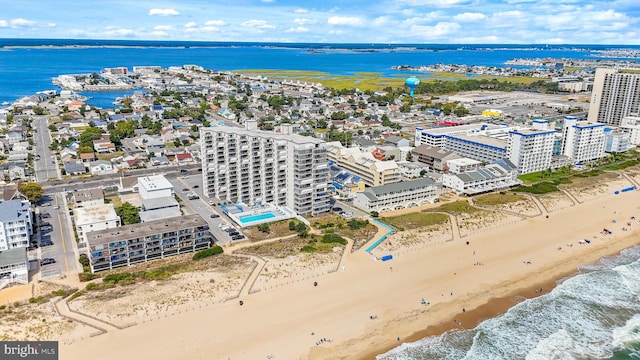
[591, 315]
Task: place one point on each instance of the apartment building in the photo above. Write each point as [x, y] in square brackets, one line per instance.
[615, 95]
[252, 166]
[531, 150]
[436, 137]
[95, 218]
[616, 141]
[398, 195]
[135, 243]
[372, 172]
[583, 141]
[16, 224]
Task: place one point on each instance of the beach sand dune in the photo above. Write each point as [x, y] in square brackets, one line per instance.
[290, 322]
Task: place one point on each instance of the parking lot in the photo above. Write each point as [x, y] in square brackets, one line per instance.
[189, 189]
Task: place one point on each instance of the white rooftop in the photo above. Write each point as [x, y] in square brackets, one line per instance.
[154, 182]
[94, 214]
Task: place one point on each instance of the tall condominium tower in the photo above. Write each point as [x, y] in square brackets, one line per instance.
[252, 166]
[614, 96]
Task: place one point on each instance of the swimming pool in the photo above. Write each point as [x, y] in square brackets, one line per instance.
[254, 218]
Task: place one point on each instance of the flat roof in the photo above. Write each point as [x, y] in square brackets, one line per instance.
[155, 182]
[482, 140]
[94, 214]
[294, 138]
[400, 186]
[13, 256]
[127, 232]
[88, 194]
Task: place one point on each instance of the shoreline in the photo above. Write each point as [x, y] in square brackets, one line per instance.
[473, 317]
[497, 306]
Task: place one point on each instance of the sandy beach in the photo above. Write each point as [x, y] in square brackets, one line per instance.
[333, 319]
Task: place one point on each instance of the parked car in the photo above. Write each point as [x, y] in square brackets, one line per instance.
[214, 216]
[337, 209]
[196, 186]
[45, 215]
[210, 202]
[56, 207]
[46, 242]
[193, 197]
[185, 190]
[46, 229]
[234, 233]
[47, 261]
[183, 170]
[45, 224]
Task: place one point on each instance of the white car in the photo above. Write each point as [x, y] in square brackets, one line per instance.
[211, 202]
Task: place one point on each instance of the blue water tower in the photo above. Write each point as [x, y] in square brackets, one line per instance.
[412, 82]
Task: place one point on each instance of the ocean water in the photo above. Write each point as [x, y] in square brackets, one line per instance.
[28, 65]
[592, 315]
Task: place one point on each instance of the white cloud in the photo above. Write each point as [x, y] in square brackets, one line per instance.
[20, 22]
[381, 21]
[110, 31]
[336, 32]
[215, 23]
[209, 29]
[163, 12]
[300, 11]
[258, 24]
[469, 17]
[346, 21]
[440, 29]
[49, 25]
[303, 21]
[299, 29]
[190, 24]
[436, 3]
[159, 33]
[3, 23]
[163, 28]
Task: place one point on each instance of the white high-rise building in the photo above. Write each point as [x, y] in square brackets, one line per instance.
[530, 150]
[253, 166]
[615, 95]
[15, 224]
[631, 125]
[582, 140]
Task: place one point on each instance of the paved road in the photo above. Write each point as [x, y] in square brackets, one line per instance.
[46, 166]
[64, 248]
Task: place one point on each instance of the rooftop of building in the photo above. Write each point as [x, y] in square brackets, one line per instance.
[13, 210]
[482, 139]
[159, 202]
[155, 182]
[459, 128]
[294, 138]
[94, 214]
[13, 256]
[431, 151]
[144, 229]
[401, 186]
[88, 194]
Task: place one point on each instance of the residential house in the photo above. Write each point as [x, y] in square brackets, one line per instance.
[16, 224]
[14, 267]
[104, 145]
[74, 167]
[94, 218]
[184, 158]
[100, 167]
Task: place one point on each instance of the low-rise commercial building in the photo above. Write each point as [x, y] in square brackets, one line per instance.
[130, 244]
[372, 171]
[499, 175]
[399, 195]
[14, 267]
[95, 218]
[154, 186]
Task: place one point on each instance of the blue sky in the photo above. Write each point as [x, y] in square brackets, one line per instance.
[346, 21]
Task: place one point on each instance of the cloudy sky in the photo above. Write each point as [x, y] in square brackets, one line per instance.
[344, 21]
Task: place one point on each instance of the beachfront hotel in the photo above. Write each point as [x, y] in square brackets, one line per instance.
[399, 195]
[500, 175]
[582, 140]
[530, 150]
[251, 166]
[135, 243]
[615, 95]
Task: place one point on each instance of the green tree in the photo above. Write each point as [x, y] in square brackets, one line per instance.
[33, 191]
[265, 228]
[409, 156]
[128, 213]
[85, 150]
